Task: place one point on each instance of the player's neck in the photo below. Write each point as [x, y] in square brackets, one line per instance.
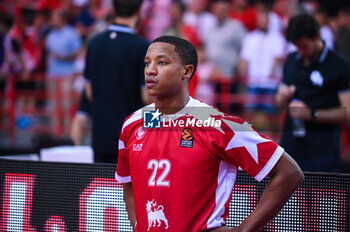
[171, 105]
[128, 21]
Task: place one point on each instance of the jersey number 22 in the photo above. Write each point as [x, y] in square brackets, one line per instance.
[154, 165]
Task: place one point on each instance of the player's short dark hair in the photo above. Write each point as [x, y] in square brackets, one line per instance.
[183, 48]
[302, 25]
[126, 8]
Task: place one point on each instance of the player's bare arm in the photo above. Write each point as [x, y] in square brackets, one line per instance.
[223, 229]
[286, 177]
[129, 201]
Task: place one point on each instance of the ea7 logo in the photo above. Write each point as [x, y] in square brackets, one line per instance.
[137, 147]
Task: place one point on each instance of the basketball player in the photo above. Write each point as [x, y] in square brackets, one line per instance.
[179, 177]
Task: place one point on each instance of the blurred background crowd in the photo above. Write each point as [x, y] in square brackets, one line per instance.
[241, 46]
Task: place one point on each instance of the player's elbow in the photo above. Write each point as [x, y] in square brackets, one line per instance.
[288, 173]
[299, 177]
[294, 176]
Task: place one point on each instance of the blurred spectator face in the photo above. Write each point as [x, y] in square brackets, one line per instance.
[176, 12]
[201, 54]
[57, 19]
[262, 20]
[110, 18]
[344, 19]
[41, 19]
[239, 3]
[307, 47]
[221, 10]
[282, 6]
[321, 17]
[197, 6]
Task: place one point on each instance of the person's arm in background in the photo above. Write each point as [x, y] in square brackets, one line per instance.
[345, 102]
[18, 51]
[69, 57]
[298, 109]
[78, 127]
[129, 201]
[242, 70]
[284, 94]
[286, 89]
[245, 53]
[285, 178]
[341, 114]
[80, 120]
[88, 70]
[277, 63]
[88, 90]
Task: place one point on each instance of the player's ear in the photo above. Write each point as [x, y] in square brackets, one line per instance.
[188, 70]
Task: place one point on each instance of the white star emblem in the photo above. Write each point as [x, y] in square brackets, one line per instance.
[155, 115]
[246, 137]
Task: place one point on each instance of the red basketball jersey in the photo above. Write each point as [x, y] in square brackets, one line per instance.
[183, 173]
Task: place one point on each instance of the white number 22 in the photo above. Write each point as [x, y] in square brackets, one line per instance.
[162, 164]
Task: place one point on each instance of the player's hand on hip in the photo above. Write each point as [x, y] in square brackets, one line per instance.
[298, 109]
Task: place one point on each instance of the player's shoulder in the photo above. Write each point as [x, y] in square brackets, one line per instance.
[200, 107]
[202, 110]
[136, 117]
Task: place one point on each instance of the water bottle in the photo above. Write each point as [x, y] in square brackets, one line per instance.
[298, 127]
[299, 130]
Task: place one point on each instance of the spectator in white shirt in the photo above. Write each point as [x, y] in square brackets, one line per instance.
[261, 59]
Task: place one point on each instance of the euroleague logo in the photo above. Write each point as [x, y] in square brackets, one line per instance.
[186, 138]
[186, 134]
[140, 133]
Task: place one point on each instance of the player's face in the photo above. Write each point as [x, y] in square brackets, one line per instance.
[164, 72]
[306, 48]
